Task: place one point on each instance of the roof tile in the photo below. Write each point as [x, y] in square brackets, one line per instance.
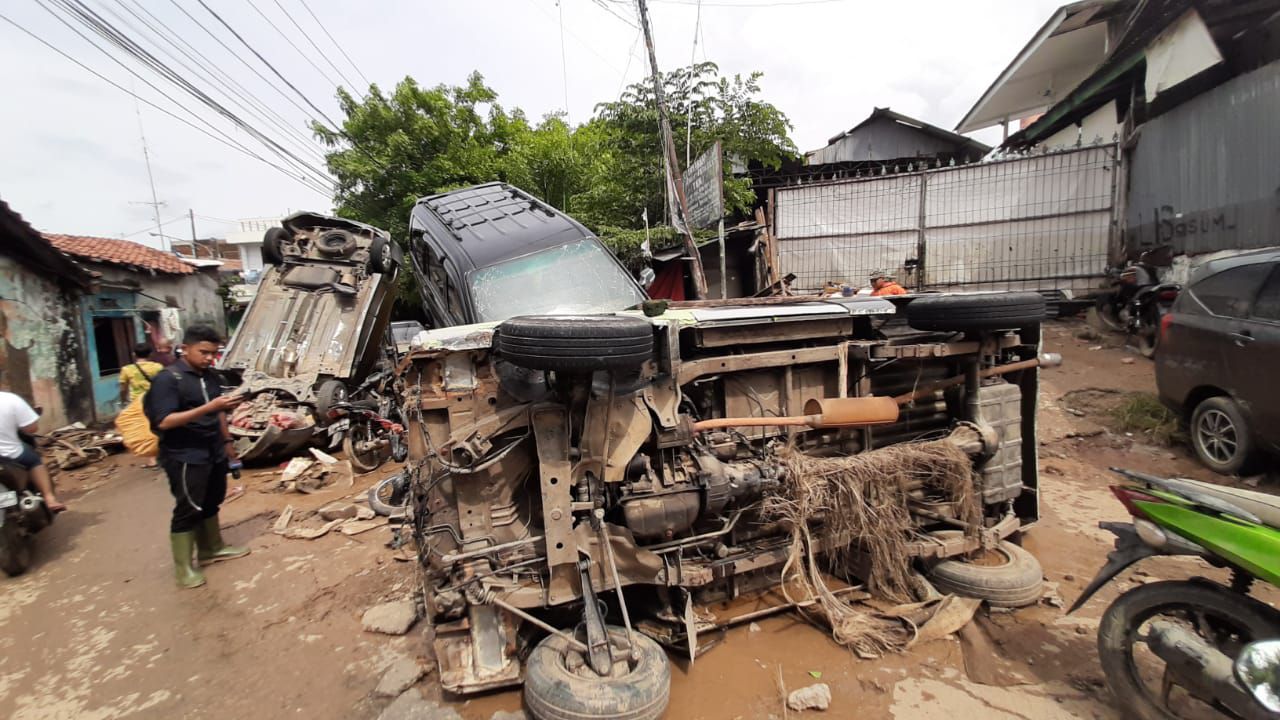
[119, 252]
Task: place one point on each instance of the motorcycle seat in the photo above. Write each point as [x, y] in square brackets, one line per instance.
[1264, 505]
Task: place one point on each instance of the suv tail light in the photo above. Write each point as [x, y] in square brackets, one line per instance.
[1168, 294]
[1165, 321]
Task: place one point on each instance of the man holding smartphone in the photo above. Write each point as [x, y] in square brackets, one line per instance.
[187, 411]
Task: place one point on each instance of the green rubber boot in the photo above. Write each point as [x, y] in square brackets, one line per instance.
[183, 546]
[211, 548]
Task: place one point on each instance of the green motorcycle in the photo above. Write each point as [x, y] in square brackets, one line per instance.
[1194, 648]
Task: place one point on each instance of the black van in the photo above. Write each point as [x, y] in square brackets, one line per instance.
[490, 252]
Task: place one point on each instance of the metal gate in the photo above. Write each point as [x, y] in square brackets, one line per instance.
[1036, 223]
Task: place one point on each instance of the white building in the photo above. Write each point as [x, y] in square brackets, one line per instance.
[249, 239]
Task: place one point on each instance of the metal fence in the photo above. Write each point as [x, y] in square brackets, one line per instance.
[1037, 223]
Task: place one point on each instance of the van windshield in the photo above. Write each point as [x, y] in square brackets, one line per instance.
[577, 277]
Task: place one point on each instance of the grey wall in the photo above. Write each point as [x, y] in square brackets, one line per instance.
[196, 295]
[1205, 176]
[882, 139]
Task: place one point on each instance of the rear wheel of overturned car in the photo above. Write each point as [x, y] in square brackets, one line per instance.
[964, 313]
[383, 258]
[576, 343]
[559, 684]
[15, 548]
[273, 245]
[1004, 576]
[1221, 436]
[330, 393]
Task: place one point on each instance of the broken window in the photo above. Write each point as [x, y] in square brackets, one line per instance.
[113, 339]
[577, 277]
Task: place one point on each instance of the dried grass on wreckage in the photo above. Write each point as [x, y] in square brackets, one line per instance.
[861, 505]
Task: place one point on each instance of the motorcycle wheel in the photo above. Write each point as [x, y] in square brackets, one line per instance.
[1110, 318]
[363, 461]
[390, 496]
[1147, 336]
[1225, 618]
[15, 548]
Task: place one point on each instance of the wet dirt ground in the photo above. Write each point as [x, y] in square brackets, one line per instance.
[96, 629]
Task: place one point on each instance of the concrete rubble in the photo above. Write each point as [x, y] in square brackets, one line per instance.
[412, 706]
[813, 697]
[398, 677]
[390, 618]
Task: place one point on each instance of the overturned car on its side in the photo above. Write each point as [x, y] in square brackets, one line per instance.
[313, 332]
[585, 486]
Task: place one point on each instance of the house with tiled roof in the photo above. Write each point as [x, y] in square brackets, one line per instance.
[140, 294]
[43, 353]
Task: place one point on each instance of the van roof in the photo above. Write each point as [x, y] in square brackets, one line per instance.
[495, 221]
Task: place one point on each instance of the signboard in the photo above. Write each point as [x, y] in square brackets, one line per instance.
[704, 188]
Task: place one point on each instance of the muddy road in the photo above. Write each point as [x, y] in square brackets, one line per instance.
[96, 629]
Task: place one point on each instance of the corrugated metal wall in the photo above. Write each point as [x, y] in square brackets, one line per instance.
[1035, 223]
[1205, 176]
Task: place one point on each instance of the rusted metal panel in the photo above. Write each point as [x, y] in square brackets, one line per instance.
[1205, 176]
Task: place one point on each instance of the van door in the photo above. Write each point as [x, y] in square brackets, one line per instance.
[1258, 341]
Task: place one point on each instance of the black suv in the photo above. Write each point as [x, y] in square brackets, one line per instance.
[493, 251]
[1217, 350]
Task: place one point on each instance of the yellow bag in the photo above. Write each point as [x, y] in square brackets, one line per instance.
[135, 428]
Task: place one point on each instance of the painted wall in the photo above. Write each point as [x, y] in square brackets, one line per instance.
[195, 296]
[42, 355]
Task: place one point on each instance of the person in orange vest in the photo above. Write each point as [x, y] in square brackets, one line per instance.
[882, 283]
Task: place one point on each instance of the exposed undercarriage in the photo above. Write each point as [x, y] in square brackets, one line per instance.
[554, 461]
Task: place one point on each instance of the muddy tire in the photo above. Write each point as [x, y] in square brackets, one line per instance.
[1014, 580]
[1221, 436]
[554, 692]
[15, 547]
[336, 243]
[330, 393]
[273, 245]
[963, 313]
[1120, 627]
[575, 343]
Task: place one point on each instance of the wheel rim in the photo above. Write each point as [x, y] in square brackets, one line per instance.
[362, 433]
[1224, 632]
[1217, 436]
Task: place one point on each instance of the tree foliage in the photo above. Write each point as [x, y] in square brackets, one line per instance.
[394, 148]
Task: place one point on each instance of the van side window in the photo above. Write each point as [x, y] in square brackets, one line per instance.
[1229, 292]
[1267, 306]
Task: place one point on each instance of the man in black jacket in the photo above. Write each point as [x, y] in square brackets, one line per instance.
[187, 411]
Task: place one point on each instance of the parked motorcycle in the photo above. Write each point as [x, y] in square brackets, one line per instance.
[1168, 646]
[22, 514]
[1146, 311]
[369, 425]
[1114, 306]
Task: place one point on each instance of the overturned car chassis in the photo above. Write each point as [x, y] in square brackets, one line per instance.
[549, 471]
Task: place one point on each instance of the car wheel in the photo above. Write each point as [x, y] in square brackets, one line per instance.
[383, 258]
[962, 313]
[1221, 436]
[575, 343]
[273, 245]
[1004, 576]
[330, 393]
[15, 547]
[560, 685]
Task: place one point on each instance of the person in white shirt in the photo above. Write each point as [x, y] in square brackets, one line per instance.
[17, 416]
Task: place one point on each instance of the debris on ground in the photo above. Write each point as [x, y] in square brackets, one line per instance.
[390, 618]
[866, 497]
[341, 511]
[399, 676]
[412, 706]
[509, 715]
[814, 697]
[753, 628]
[76, 446]
[308, 475]
[311, 533]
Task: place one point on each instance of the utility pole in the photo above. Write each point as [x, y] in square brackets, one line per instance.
[146, 157]
[674, 176]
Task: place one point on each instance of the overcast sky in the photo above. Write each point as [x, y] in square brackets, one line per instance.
[72, 156]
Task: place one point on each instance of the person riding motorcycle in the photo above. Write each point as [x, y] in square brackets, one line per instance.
[17, 417]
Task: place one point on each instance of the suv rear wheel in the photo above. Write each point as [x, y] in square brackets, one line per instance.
[962, 313]
[1221, 436]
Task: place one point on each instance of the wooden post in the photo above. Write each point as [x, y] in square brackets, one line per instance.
[681, 205]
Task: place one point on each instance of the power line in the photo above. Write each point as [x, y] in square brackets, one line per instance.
[304, 56]
[335, 42]
[234, 146]
[564, 63]
[614, 13]
[320, 52]
[243, 98]
[104, 29]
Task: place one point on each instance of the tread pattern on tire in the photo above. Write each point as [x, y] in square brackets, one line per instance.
[1016, 584]
[575, 343]
[994, 311]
